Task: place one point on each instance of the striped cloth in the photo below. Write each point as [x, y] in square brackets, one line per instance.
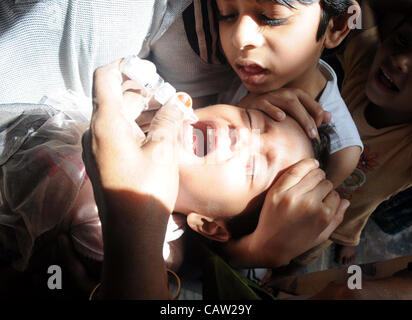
[48, 45]
[188, 55]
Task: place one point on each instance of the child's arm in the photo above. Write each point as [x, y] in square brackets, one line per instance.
[342, 163]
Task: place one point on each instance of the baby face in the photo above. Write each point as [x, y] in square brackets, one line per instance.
[390, 80]
[269, 45]
[232, 156]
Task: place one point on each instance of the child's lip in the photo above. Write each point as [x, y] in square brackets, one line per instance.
[243, 63]
[389, 76]
[250, 71]
[250, 67]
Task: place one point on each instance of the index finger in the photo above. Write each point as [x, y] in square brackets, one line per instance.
[314, 108]
[293, 175]
[107, 89]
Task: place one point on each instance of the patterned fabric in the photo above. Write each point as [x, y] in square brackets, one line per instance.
[385, 167]
[58, 44]
[395, 215]
[204, 38]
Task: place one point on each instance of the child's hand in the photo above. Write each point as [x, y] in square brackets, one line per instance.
[303, 209]
[300, 211]
[295, 102]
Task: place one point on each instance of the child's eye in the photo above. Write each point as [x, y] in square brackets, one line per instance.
[270, 21]
[249, 118]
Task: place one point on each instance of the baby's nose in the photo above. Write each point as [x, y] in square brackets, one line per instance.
[247, 35]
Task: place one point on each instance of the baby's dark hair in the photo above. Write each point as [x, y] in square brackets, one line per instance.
[321, 149]
[246, 223]
[330, 9]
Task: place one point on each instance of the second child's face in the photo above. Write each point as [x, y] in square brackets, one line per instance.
[269, 45]
[390, 80]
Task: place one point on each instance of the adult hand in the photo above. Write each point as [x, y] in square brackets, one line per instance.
[135, 182]
[300, 211]
[297, 103]
[118, 155]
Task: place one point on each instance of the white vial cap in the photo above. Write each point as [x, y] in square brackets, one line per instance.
[164, 93]
[141, 71]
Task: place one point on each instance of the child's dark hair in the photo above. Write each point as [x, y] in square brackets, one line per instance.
[246, 223]
[330, 9]
[386, 23]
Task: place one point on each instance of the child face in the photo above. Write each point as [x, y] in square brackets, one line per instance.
[247, 150]
[390, 80]
[269, 45]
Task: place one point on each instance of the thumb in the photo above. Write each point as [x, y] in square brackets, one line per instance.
[170, 117]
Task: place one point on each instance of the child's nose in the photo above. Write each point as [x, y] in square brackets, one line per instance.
[402, 62]
[247, 34]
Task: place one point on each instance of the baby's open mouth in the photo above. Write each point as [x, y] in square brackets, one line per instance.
[204, 138]
[209, 138]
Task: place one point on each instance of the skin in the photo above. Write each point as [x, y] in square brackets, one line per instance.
[248, 38]
[140, 195]
[259, 49]
[388, 107]
[222, 187]
[394, 57]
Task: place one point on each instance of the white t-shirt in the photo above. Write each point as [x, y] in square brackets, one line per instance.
[346, 133]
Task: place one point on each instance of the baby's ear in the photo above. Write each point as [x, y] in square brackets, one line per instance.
[339, 27]
[208, 227]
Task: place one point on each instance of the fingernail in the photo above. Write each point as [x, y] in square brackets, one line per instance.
[346, 204]
[185, 99]
[317, 163]
[313, 133]
[186, 106]
[280, 115]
